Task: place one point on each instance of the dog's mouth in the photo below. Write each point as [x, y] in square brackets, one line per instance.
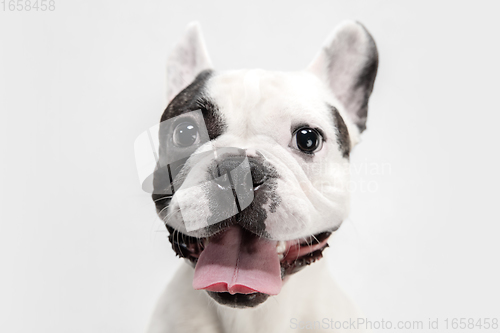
[240, 269]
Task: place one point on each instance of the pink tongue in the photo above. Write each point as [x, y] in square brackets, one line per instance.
[238, 262]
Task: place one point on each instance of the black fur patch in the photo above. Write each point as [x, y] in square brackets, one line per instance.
[343, 139]
[194, 97]
[366, 80]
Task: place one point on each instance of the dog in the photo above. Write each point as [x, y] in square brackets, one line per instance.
[252, 179]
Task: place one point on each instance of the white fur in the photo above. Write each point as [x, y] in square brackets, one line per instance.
[188, 58]
[261, 116]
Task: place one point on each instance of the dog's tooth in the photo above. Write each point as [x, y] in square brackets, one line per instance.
[281, 256]
[280, 247]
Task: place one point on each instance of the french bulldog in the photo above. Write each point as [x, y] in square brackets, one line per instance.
[252, 179]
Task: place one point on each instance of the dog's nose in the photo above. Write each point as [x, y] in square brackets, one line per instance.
[243, 173]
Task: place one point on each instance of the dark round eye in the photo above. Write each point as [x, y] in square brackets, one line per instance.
[185, 134]
[307, 140]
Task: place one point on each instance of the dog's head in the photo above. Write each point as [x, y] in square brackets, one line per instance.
[252, 174]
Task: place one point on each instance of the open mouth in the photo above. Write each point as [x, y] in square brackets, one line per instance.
[239, 268]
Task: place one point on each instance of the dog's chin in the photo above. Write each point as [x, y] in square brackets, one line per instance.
[237, 300]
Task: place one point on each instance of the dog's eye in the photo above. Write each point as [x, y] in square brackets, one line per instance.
[307, 140]
[185, 134]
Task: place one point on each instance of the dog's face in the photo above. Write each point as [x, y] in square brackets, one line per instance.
[253, 167]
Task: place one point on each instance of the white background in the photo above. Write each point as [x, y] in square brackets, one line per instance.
[80, 247]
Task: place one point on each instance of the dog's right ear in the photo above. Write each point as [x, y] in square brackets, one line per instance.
[188, 58]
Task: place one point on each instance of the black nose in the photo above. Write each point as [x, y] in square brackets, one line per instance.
[240, 172]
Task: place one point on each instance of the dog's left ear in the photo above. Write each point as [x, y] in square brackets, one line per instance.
[188, 58]
[348, 63]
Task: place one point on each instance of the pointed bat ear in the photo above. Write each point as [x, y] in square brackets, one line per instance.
[348, 63]
[188, 58]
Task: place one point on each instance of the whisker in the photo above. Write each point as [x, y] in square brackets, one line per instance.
[163, 198]
[161, 211]
[178, 243]
[168, 215]
[317, 240]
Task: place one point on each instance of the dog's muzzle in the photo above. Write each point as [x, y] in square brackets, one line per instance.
[237, 261]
